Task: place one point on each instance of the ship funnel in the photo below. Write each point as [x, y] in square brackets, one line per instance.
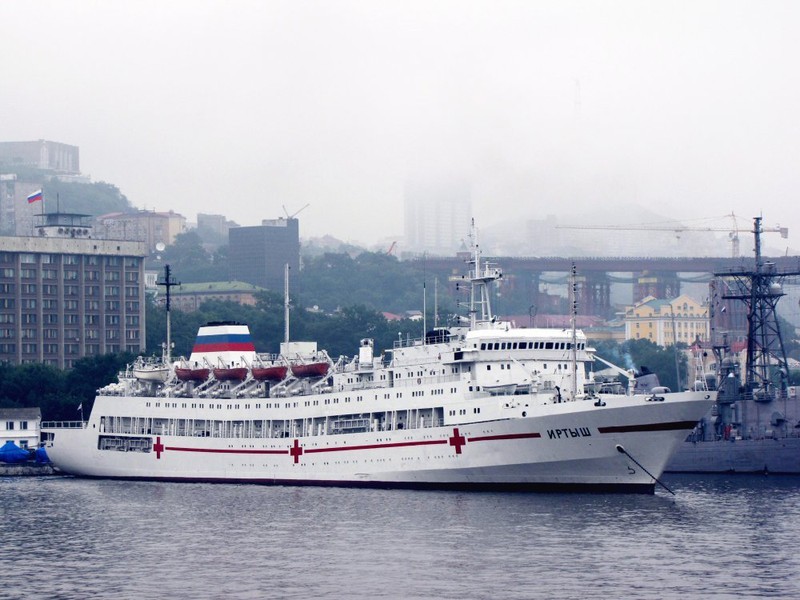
[365, 352]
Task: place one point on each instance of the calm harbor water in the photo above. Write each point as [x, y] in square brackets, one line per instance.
[719, 537]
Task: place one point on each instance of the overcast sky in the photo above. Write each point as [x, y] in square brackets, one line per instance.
[240, 108]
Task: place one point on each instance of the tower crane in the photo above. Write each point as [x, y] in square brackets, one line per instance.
[733, 232]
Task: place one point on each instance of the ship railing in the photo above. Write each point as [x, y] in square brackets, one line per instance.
[64, 424]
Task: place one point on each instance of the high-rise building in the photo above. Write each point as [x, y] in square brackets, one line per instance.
[258, 254]
[65, 295]
[41, 154]
[437, 217]
[26, 167]
[213, 229]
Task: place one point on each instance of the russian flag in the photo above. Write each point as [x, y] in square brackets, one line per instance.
[35, 196]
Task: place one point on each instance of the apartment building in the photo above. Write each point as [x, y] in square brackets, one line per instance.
[65, 295]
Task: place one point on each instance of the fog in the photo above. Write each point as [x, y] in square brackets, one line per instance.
[577, 109]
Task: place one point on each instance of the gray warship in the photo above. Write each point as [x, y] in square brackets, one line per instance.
[754, 426]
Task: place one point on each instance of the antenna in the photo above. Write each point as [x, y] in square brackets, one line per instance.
[574, 319]
[286, 304]
[168, 283]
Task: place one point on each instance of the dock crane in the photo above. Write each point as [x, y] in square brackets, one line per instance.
[733, 232]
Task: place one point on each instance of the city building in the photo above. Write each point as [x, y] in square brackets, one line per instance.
[145, 226]
[188, 297]
[437, 217]
[65, 295]
[21, 426]
[41, 154]
[259, 254]
[664, 322]
[26, 167]
[213, 230]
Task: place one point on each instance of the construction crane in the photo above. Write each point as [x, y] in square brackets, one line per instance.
[295, 213]
[733, 232]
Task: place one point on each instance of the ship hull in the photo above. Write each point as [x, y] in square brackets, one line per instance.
[563, 447]
[780, 455]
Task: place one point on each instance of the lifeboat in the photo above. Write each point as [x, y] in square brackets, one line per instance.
[151, 371]
[188, 374]
[270, 373]
[231, 373]
[314, 369]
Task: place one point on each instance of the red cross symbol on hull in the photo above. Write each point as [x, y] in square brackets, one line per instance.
[296, 451]
[158, 447]
[457, 440]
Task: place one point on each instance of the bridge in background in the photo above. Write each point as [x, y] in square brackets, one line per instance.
[660, 277]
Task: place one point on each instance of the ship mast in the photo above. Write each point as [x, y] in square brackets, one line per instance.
[168, 283]
[286, 303]
[573, 323]
[760, 290]
[480, 277]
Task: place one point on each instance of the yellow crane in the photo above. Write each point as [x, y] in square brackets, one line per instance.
[733, 231]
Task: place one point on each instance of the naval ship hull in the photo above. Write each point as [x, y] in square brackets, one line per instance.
[769, 455]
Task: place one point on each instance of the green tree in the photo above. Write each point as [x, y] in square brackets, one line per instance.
[85, 198]
[189, 261]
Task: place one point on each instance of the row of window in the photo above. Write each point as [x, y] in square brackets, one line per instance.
[531, 345]
[90, 305]
[69, 350]
[69, 275]
[27, 258]
[10, 425]
[680, 324]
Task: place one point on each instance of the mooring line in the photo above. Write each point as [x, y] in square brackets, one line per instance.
[622, 450]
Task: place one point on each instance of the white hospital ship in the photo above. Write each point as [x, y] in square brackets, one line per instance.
[484, 405]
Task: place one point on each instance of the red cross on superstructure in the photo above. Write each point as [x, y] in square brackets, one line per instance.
[296, 451]
[457, 440]
[158, 447]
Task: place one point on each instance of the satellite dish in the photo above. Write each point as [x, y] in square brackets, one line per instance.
[160, 247]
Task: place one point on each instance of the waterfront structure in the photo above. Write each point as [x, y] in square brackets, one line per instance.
[259, 254]
[65, 295]
[188, 297]
[21, 426]
[436, 217]
[666, 322]
[146, 226]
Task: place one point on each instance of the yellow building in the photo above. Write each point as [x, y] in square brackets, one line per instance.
[664, 322]
[187, 297]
